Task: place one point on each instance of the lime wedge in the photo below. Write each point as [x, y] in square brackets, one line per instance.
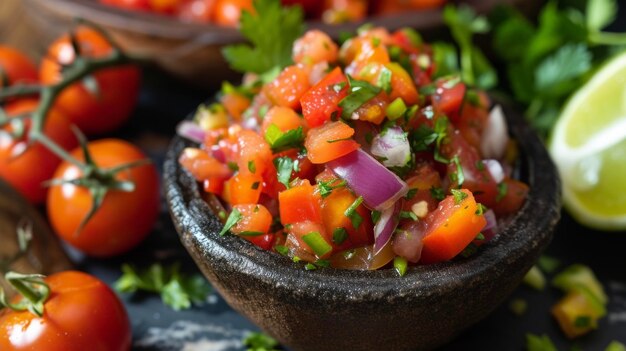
[588, 145]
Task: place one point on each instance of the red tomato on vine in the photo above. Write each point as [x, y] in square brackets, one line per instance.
[80, 313]
[124, 218]
[108, 103]
[15, 67]
[27, 170]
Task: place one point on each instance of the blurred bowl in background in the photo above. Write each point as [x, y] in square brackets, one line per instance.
[191, 51]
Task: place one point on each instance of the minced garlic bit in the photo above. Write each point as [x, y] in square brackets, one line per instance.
[420, 209]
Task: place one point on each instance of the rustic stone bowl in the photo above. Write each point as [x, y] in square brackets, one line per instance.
[332, 309]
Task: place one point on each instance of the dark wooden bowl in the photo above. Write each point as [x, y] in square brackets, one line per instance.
[332, 309]
[192, 51]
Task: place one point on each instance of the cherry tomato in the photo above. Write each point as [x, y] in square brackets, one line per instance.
[15, 67]
[117, 87]
[123, 220]
[140, 5]
[36, 164]
[199, 11]
[290, 85]
[81, 313]
[313, 47]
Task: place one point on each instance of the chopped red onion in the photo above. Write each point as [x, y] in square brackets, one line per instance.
[190, 130]
[385, 226]
[495, 135]
[489, 231]
[318, 72]
[495, 169]
[408, 241]
[392, 144]
[250, 123]
[379, 187]
[218, 153]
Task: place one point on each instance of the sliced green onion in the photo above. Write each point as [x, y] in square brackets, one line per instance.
[396, 109]
[317, 243]
[400, 264]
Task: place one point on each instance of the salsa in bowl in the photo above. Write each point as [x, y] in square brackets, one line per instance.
[394, 171]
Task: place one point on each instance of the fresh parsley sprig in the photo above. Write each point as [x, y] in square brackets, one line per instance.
[271, 30]
[177, 290]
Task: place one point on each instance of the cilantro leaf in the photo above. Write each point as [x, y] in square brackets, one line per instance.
[464, 23]
[284, 167]
[271, 31]
[557, 73]
[446, 59]
[360, 92]
[177, 290]
[234, 217]
[539, 343]
[281, 141]
[256, 341]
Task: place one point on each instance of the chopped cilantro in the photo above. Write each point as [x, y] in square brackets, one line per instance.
[326, 188]
[256, 341]
[408, 215]
[284, 167]
[384, 79]
[502, 190]
[250, 233]
[548, 264]
[232, 166]
[255, 185]
[539, 343]
[481, 209]
[441, 131]
[458, 195]
[422, 137]
[480, 237]
[281, 249]
[234, 217]
[469, 250]
[458, 177]
[281, 141]
[518, 306]
[272, 32]
[310, 267]
[411, 193]
[351, 212]
[340, 235]
[375, 216]
[251, 166]
[177, 289]
[437, 193]
[360, 92]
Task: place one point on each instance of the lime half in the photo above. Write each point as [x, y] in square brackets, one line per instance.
[588, 145]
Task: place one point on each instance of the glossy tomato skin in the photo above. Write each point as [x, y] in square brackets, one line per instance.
[82, 313]
[123, 220]
[37, 164]
[16, 67]
[118, 87]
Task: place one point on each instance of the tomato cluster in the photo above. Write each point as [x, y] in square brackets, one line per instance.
[98, 104]
[285, 161]
[227, 12]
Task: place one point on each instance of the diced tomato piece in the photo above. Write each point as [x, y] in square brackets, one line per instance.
[472, 122]
[235, 104]
[287, 89]
[448, 98]
[367, 50]
[477, 178]
[243, 188]
[334, 207]
[513, 196]
[255, 218]
[402, 85]
[254, 225]
[254, 152]
[313, 47]
[330, 141]
[282, 117]
[214, 185]
[342, 11]
[201, 165]
[300, 203]
[374, 110]
[451, 228]
[321, 101]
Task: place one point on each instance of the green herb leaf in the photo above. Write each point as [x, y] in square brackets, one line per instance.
[177, 290]
[411, 193]
[326, 188]
[271, 31]
[340, 235]
[437, 193]
[360, 92]
[548, 264]
[234, 217]
[376, 216]
[539, 343]
[408, 215]
[284, 167]
[458, 195]
[281, 141]
[446, 59]
[502, 190]
[555, 75]
[281, 249]
[251, 166]
[422, 137]
[458, 177]
[256, 341]
[351, 212]
[384, 79]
